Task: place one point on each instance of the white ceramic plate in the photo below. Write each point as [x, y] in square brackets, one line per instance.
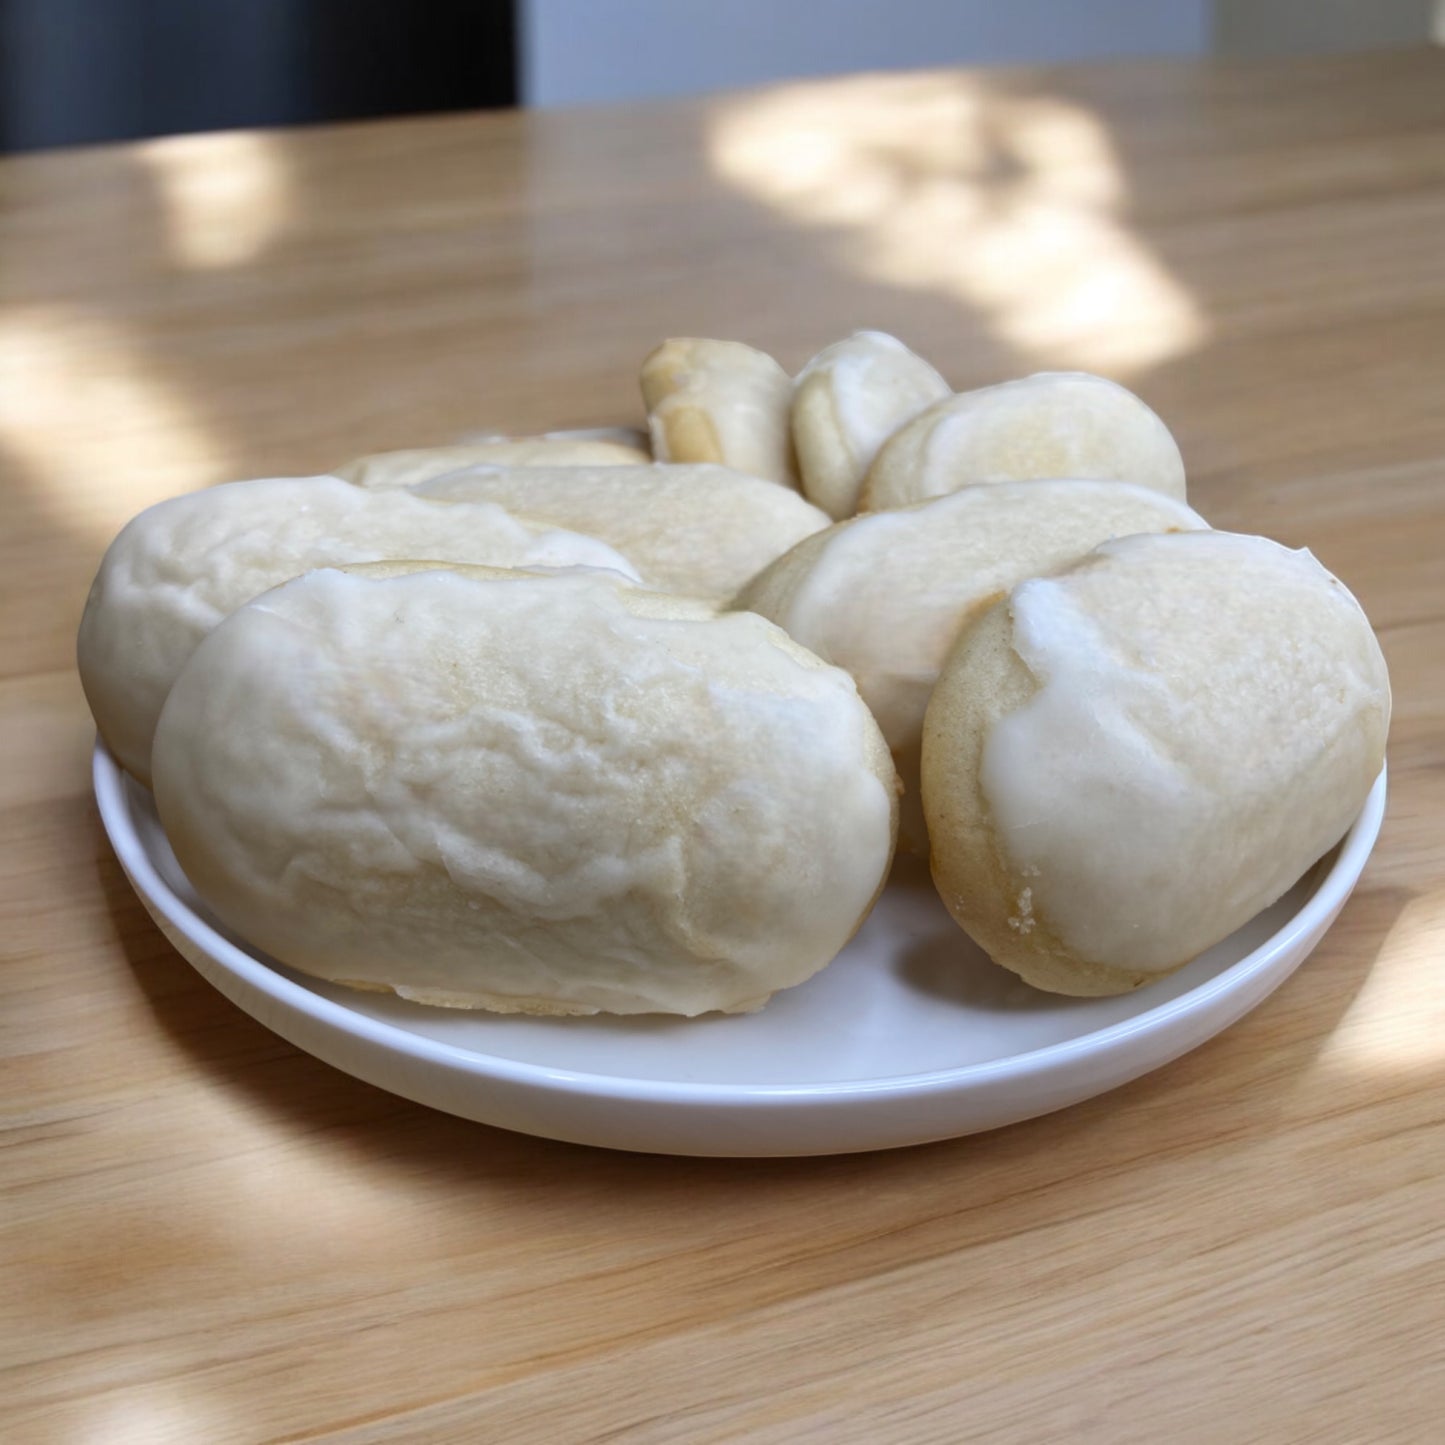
[910, 1035]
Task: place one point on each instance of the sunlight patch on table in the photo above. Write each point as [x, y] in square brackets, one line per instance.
[224, 197]
[1012, 205]
[1397, 1020]
[95, 433]
[159, 1410]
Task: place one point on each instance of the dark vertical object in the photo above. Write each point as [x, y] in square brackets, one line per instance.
[399, 57]
[78, 71]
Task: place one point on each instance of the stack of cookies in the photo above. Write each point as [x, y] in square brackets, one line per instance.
[574, 725]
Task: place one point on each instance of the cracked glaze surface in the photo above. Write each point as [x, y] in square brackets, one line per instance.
[181, 566]
[554, 795]
[1210, 714]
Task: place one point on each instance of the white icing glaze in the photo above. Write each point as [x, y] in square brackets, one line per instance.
[1211, 712]
[874, 395]
[528, 791]
[1052, 424]
[885, 598]
[878, 384]
[180, 567]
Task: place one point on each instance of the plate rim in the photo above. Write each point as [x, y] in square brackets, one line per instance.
[1329, 894]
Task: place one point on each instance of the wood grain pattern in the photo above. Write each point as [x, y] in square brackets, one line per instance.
[207, 1236]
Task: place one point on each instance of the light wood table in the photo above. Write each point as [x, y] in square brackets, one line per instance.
[207, 1236]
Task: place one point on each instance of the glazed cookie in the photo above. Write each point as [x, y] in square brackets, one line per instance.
[177, 569]
[1054, 424]
[720, 401]
[1124, 763]
[847, 401]
[698, 529]
[885, 594]
[555, 795]
[406, 468]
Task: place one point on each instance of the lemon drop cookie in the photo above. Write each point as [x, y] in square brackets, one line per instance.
[556, 795]
[1124, 763]
[698, 529]
[847, 401]
[406, 468]
[178, 568]
[720, 401]
[1054, 424]
[885, 594]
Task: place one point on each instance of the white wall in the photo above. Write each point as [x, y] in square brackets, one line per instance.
[580, 51]
[1288, 27]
